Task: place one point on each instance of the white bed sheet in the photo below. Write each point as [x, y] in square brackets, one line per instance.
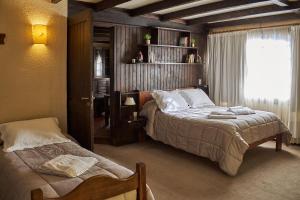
[221, 140]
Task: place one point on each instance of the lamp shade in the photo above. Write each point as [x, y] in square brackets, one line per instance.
[39, 34]
[129, 101]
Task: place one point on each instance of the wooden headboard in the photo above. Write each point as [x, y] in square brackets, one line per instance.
[144, 97]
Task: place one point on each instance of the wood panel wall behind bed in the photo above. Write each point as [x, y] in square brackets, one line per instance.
[129, 77]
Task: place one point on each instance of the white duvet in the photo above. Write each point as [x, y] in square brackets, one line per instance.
[221, 140]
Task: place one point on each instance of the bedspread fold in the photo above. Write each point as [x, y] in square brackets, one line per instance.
[23, 170]
[222, 140]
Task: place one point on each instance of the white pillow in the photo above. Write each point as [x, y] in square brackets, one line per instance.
[31, 133]
[169, 101]
[196, 98]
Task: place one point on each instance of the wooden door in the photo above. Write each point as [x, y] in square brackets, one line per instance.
[80, 78]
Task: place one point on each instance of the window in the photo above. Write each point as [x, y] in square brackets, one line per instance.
[268, 69]
[99, 64]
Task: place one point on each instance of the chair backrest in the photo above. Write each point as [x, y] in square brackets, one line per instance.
[102, 187]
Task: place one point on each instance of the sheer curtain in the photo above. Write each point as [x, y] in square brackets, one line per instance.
[225, 67]
[294, 118]
[268, 71]
[259, 69]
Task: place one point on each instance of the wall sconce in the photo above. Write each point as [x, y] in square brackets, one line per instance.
[39, 34]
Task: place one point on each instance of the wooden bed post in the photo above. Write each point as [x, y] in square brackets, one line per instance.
[104, 187]
[37, 194]
[279, 142]
[141, 191]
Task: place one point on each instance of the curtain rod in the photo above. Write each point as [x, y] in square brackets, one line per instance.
[253, 28]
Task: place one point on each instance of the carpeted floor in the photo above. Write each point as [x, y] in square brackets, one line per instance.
[175, 175]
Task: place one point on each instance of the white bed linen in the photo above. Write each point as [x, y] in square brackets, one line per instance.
[221, 140]
[169, 100]
[69, 165]
[196, 98]
[31, 133]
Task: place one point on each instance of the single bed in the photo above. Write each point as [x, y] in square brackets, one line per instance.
[222, 140]
[22, 177]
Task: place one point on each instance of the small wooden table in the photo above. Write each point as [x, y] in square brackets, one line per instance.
[137, 126]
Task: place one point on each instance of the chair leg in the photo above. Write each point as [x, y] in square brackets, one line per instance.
[279, 142]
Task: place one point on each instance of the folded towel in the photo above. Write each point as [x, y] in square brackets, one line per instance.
[221, 113]
[69, 165]
[239, 110]
[221, 116]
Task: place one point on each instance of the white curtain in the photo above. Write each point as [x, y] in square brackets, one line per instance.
[268, 71]
[259, 69]
[294, 118]
[225, 67]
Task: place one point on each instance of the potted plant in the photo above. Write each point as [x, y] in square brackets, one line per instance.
[147, 37]
[193, 41]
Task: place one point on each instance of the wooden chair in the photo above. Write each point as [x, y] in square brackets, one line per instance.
[102, 187]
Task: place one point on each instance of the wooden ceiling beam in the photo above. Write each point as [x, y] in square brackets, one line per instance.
[207, 8]
[282, 3]
[55, 1]
[242, 13]
[161, 5]
[106, 4]
[258, 20]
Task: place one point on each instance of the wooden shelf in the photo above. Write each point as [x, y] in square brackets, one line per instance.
[159, 63]
[171, 46]
[173, 29]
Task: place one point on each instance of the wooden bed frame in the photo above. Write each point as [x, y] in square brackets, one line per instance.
[145, 96]
[103, 187]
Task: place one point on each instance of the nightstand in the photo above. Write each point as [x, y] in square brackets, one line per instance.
[130, 131]
[137, 127]
[125, 130]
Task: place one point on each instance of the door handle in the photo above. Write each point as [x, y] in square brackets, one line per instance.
[84, 98]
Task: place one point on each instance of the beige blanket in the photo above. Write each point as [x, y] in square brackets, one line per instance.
[221, 140]
[21, 172]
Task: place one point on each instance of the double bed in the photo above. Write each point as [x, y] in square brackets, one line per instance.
[222, 140]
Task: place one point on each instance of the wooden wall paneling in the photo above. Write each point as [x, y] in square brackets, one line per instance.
[133, 55]
[138, 68]
[116, 70]
[157, 77]
[169, 77]
[190, 74]
[127, 49]
[121, 60]
[129, 53]
[150, 85]
[152, 76]
[177, 76]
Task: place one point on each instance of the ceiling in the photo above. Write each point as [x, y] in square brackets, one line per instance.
[209, 12]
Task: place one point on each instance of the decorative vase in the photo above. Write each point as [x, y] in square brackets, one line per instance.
[148, 42]
[198, 59]
[140, 57]
[151, 57]
[183, 41]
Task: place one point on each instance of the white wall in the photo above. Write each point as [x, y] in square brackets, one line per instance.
[33, 77]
